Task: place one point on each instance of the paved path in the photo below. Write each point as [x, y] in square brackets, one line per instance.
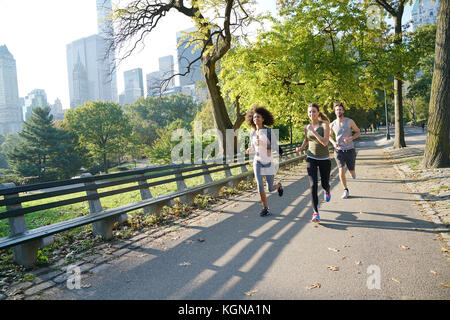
[277, 257]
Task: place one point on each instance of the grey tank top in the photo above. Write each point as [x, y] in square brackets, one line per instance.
[343, 132]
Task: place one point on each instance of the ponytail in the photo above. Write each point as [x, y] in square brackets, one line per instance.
[323, 117]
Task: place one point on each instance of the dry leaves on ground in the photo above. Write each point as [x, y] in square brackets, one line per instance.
[333, 249]
[333, 268]
[315, 285]
[396, 280]
[250, 293]
[404, 247]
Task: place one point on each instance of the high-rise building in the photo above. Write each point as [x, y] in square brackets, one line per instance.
[36, 98]
[153, 80]
[104, 22]
[91, 65]
[185, 56]
[57, 110]
[167, 70]
[80, 85]
[424, 12]
[10, 111]
[134, 86]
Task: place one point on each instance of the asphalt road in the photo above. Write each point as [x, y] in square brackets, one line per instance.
[374, 245]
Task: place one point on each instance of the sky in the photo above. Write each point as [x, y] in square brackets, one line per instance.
[37, 38]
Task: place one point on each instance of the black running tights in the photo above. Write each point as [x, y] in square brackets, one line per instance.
[324, 167]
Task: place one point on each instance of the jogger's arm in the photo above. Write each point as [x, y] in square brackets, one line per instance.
[304, 144]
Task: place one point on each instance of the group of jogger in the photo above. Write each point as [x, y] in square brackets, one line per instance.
[318, 133]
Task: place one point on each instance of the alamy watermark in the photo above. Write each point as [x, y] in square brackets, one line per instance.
[374, 280]
[375, 17]
[221, 150]
[73, 277]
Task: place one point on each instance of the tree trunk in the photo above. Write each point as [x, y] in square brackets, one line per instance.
[221, 119]
[399, 141]
[437, 143]
[105, 163]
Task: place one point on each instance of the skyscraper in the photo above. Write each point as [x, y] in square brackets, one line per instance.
[185, 57]
[134, 86]
[104, 23]
[80, 85]
[167, 70]
[424, 12]
[10, 110]
[153, 84]
[36, 98]
[90, 65]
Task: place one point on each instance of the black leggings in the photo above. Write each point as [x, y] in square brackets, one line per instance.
[325, 169]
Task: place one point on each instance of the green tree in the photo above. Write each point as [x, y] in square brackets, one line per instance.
[320, 51]
[44, 152]
[3, 159]
[217, 24]
[101, 127]
[147, 115]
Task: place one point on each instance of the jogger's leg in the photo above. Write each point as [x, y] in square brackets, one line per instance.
[342, 177]
[264, 200]
[311, 168]
[325, 169]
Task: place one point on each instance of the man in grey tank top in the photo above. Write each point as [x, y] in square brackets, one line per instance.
[344, 149]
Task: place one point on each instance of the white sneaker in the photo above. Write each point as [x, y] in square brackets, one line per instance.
[345, 194]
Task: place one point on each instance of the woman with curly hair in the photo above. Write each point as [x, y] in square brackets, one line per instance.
[260, 145]
[317, 135]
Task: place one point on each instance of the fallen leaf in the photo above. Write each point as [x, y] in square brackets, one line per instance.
[183, 264]
[445, 285]
[343, 257]
[358, 263]
[201, 240]
[444, 250]
[404, 247]
[393, 279]
[333, 249]
[250, 293]
[333, 268]
[315, 285]
[434, 272]
[350, 236]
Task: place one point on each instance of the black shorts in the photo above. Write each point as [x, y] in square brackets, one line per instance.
[346, 157]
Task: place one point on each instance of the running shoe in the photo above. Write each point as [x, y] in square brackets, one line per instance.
[264, 212]
[316, 217]
[280, 189]
[353, 175]
[327, 196]
[345, 195]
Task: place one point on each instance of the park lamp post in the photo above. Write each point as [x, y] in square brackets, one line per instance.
[388, 136]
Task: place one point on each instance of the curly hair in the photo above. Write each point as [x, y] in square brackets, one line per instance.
[263, 112]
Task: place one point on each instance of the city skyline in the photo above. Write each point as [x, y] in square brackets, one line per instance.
[52, 31]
